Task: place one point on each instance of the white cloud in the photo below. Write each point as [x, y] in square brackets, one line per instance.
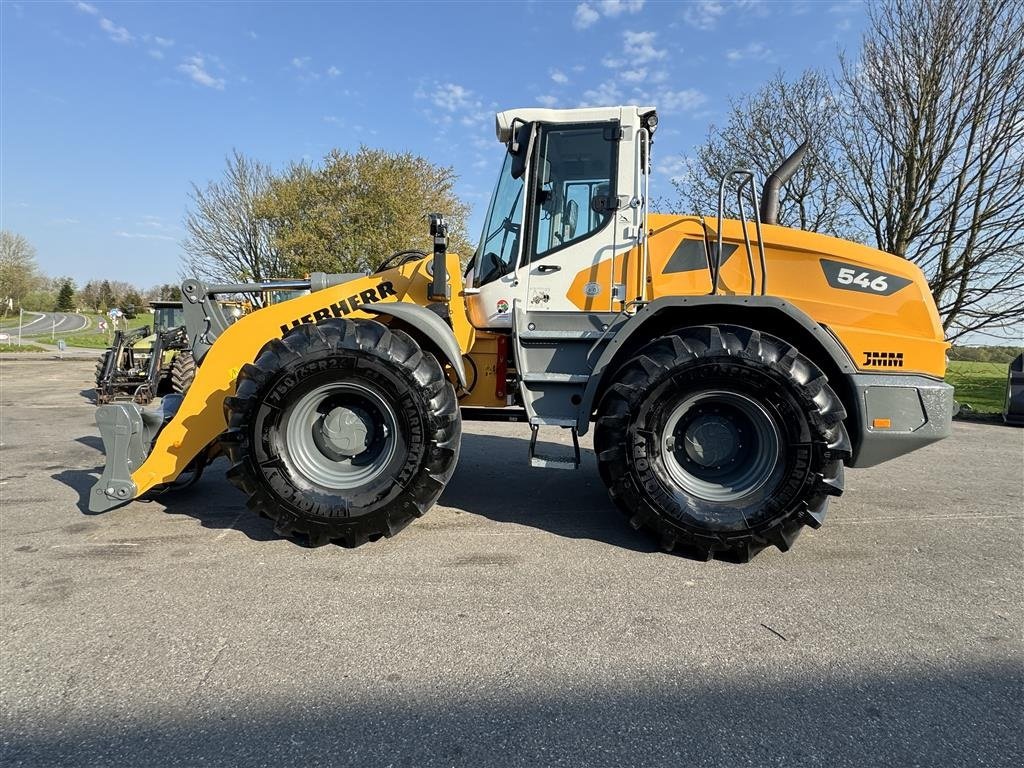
[612, 8]
[333, 71]
[604, 94]
[144, 236]
[547, 101]
[452, 97]
[635, 75]
[116, 33]
[68, 221]
[455, 102]
[559, 77]
[685, 100]
[752, 52]
[300, 62]
[156, 53]
[588, 14]
[195, 68]
[87, 8]
[639, 47]
[846, 7]
[252, 35]
[585, 16]
[163, 42]
[704, 14]
[675, 167]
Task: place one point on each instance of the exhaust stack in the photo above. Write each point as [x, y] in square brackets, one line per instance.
[770, 194]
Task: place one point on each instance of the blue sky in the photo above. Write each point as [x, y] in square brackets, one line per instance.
[111, 110]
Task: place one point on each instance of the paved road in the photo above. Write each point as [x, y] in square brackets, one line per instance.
[519, 623]
[45, 323]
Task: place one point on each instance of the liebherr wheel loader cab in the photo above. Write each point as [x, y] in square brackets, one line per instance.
[730, 369]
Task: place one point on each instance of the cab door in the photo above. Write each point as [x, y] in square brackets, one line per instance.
[554, 222]
[572, 209]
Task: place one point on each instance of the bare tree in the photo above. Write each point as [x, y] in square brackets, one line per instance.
[228, 241]
[932, 130]
[763, 128]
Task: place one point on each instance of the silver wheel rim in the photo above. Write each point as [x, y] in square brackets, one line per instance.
[720, 446]
[340, 435]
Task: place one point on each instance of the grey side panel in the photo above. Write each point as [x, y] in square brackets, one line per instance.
[919, 410]
[431, 325]
[554, 353]
[678, 304]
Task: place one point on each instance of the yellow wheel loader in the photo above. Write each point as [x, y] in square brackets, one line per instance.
[731, 369]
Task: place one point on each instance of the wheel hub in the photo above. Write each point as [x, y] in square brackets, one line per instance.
[341, 435]
[711, 440]
[343, 431]
[720, 446]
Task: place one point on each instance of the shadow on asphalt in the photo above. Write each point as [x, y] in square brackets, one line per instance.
[968, 716]
[494, 480]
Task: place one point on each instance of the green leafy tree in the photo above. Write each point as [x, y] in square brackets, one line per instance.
[18, 272]
[133, 299]
[354, 209]
[66, 296]
[106, 296]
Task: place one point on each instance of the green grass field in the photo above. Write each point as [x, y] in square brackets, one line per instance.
[980, 385]
[20, 348]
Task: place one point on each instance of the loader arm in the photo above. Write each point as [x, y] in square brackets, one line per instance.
[133, 468]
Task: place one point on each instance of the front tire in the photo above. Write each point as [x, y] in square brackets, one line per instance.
[342, 431]
[721, 441]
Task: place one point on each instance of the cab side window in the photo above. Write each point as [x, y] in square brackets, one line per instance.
[573, 186]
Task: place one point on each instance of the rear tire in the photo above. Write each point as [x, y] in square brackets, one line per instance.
[183, 372]
[101, 364]
[721, 441]
[342, 431]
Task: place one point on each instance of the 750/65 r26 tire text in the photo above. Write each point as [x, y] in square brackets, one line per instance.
[721, 440]
[342, 431]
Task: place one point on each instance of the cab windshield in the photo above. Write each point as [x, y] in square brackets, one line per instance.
[499, 244]
[165, 318]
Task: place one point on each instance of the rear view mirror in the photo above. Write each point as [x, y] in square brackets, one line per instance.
[519, 147]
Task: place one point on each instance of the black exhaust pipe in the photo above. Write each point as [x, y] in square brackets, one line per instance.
[770, 194]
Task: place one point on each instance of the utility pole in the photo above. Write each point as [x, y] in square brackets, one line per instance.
[21, 322]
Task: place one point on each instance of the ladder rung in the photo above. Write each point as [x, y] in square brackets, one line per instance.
[560, 335]
[556, 378]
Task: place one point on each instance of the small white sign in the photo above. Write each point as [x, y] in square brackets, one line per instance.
[5, 337]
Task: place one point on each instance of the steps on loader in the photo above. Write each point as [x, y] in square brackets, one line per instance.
[546, 461]
[555, 353]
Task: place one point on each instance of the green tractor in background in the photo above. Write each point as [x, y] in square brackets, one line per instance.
[141, 364]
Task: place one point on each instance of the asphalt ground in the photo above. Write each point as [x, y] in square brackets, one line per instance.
[520, 622]
[42, 323]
